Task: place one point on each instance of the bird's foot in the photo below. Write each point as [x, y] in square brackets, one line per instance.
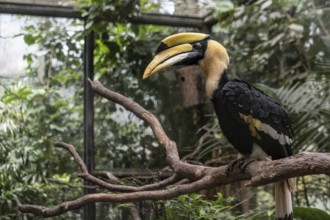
[232, 165]
[243, 164]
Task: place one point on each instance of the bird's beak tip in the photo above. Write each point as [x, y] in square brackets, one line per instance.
[146, 75]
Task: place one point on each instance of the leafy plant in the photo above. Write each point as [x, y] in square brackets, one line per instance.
[196, 206]
[305, 213]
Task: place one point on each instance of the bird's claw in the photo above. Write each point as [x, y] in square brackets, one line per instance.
[232, 165]
[242, 165]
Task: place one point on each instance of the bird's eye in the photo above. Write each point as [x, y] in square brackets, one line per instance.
[197, 46]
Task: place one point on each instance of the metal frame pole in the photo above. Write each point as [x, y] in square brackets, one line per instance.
[89, 210]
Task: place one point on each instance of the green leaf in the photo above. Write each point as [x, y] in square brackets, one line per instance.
[102, 47]
[24, 92]
[8, 98]
[266, 4]
[29, 39]
[305, 213]
[202, 212]
[225, 6]
[57, 128]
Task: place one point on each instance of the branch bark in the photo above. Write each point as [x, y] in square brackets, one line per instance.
[186, 178]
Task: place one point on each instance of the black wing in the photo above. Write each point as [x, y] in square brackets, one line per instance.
[268, 122]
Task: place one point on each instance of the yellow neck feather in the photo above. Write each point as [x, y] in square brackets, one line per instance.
[213, 65]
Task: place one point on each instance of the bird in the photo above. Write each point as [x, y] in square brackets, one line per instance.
[257, 126]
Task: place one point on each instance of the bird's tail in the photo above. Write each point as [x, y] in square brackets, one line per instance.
[283, 201]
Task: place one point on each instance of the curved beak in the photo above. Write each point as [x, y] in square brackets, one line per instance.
[168, 58]
[174, 50]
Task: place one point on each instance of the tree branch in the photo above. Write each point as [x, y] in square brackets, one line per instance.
[187, 178]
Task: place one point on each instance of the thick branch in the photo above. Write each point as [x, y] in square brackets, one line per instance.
[304, 163]
[172, 155]
[143, 114]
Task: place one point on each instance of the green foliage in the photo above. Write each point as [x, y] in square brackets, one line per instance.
[310, 114]
[101, 13]
[196, 206]
[305, 213]
[31, 120]
[32, 115]
[272, 42]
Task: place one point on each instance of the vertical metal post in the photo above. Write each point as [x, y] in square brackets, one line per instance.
[89, 210]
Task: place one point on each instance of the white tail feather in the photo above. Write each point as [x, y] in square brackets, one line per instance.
[283, 201]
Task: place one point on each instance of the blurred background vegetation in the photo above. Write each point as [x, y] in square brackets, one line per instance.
[280, 46]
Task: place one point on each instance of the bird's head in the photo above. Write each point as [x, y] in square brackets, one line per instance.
[189, 49]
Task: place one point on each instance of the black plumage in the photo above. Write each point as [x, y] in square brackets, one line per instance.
[241, 108]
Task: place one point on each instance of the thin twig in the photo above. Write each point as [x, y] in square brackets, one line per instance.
[109, 186]
[57, 181]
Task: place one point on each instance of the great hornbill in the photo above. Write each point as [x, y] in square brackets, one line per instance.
[256, 125]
